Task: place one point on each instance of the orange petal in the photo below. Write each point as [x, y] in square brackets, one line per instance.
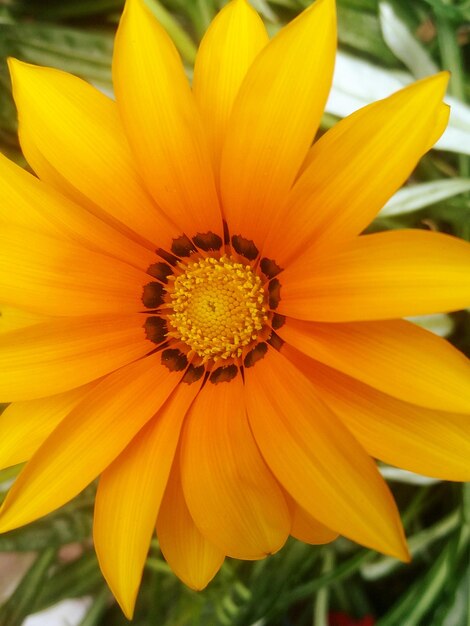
[396, 357]
[274, 119]
[163, 122]
[381, 276]
[231, 495]
[88, 440]
[129, 495]
[192, 557]
[227, 50]
[306, 528]
[56, 277]
[357, 166]
[28, 202]
[402, 434]
[317, 460]
[72, 136]
[26, 425]
[63, 353]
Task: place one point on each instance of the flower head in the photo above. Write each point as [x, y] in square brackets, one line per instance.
[199, 322]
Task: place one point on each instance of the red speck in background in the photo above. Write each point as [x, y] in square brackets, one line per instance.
[341, 619]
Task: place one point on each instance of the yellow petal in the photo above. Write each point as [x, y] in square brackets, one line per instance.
[231, 495]
[163, 122]
[64, 353]
[56, 277]
[11, 318]
[306, 528]
[129, 496]
[274, 119]
[192, 557]
[317, 460]
[227, 50]
[394, 356]
[402, 434]
[28, 202]
[88, 440]
[381, 276]
[26, 425]
[357, 166]
[72, 136]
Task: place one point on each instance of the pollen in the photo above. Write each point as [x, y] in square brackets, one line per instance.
[218, 306]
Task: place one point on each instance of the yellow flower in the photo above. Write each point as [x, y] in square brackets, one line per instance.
[202, 327]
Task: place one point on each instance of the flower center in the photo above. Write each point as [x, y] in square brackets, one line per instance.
[218, 307]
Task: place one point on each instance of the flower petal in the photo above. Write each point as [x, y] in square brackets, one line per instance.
[26, 425]
[192, 557]
[274, 119]
[317, 460]
[163, 122]
[357, 166]
[63, 353]
[129, 496]
[381, 276]
[306, 528]
[231, 495]
[28, 202]
[227, 50]
[57, 277]
[72, 136]
[402, 434]
[396, 357]
[88, 440]
[11, 318]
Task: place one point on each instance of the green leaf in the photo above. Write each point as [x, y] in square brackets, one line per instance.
[416, 197]
[18, 606]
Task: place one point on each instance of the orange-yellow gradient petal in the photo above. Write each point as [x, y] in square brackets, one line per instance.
[26, 425]
[227, 50]
[357, 166]
[28, 202]
[87, 440]
[72, 137]
[274, 119]
[129, 496]
[232, 496]
[63, 353]
[163, 122]
[395, 356]
[382, 276]
[306, 528]
[434, 443]
[317, 460]
[53, 276]
[192, 557]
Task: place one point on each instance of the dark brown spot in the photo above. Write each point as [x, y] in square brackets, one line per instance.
[182, 246]
[160, 271]
[256, 354]
[275, 341]
[274, 290]
[226, 234]
[269, 267]
[155, 329]
[245, 247]
[278, 321]
[152, 296]
[223, 374]
[193, 374]
[169, 258]
[208, 241]
[174, 360]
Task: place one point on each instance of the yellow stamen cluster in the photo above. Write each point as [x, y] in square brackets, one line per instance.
[217, 307]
